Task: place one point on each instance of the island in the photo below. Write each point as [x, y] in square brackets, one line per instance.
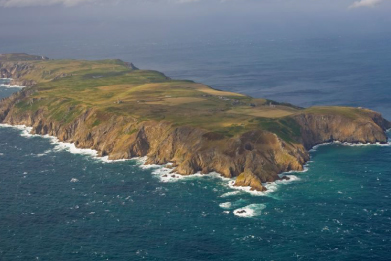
[123, 112]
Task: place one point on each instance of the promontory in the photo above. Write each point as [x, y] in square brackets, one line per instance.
[124, 112]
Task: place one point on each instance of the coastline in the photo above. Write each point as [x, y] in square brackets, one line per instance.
[198, 129]
[166, 174]
[9, 84]
[163, 172]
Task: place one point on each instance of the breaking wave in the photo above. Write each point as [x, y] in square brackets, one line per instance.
[251, 210]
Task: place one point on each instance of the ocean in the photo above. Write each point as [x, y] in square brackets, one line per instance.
[61, 203]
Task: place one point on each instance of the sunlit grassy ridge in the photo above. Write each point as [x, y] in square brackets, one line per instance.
[66, 88]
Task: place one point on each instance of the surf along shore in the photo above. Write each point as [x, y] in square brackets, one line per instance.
[123, 112]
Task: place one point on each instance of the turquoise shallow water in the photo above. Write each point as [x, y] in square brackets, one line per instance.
[56, 205]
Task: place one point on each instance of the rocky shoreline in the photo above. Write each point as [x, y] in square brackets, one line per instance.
[253, 157]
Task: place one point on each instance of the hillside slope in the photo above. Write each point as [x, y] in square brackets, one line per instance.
[124, 112]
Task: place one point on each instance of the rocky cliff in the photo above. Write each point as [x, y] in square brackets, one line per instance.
[16, 66]
[322, 128]
[16, 71]
[254, 156]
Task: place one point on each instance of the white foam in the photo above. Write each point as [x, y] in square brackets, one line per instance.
[248, 189]
[106, 159]
[70, 147]
[305, 169]
[8, 86]
[228, 194]
[59, 146]
[251, 210]
[226, 205]
[314, 148]
[166, 174]
[74, 180]
[213, 175]
[235, 204]
[292, 178]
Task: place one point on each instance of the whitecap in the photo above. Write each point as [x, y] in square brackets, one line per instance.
[71, 147]
[228, 194]
[246, 189]
[235, 204]
[59, 146]
[74, 180]
[165, 174]
[106, 159]
[271, 187]
[6, 83]
[292, 178]
[8, 86]
[251, 210]
[226, 205]
[314, 148]
[211, 175]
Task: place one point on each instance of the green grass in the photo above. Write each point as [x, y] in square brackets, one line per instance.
[66, 88]
[348, 112]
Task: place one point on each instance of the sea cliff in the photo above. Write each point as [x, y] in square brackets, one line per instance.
[123, 112]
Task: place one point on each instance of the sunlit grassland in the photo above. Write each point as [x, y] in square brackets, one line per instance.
[66, 88]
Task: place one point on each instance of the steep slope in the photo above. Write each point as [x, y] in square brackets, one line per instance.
[123, 112]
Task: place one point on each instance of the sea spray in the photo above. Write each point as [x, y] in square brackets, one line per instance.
[251, 210]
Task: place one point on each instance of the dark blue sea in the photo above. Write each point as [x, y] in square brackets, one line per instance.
[60, 203]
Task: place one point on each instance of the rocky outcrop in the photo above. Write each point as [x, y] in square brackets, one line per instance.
[191, 149]
[16, 71]
[249, 179]
[17, 65]
[322, 128]
[254, 157]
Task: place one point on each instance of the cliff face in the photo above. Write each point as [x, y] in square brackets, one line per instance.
[321, 128]
[254, 157]
[257, 156]
[16, 71]
[253, 145]
[17, 65]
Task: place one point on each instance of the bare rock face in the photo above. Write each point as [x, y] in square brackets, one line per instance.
[16, 71]
[191, 149]
[254, 157]
[321, 128]
[248, 178]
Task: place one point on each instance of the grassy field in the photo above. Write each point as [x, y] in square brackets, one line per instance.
[67, 87]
